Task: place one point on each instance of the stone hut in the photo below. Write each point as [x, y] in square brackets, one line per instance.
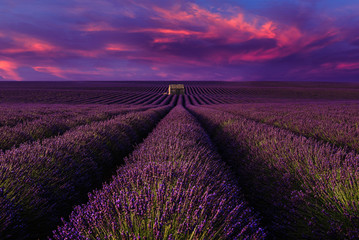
[175, 89]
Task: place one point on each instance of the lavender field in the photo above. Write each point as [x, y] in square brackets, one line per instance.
[126, 160]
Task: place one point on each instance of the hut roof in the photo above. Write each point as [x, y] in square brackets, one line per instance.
[176, 86]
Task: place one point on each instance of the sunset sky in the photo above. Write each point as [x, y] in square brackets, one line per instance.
[225, 40]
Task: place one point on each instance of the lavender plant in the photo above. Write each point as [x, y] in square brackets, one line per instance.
[13, 114]
[57, 122]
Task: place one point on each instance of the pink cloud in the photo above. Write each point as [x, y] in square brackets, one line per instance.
[340, 66]
[118, 47]
[51, 70]
[8, 70]
[348, 66]
[97, 27]
[167, 31]
[25, 43]
[233, 30]
[163, 40]
[257, 56]
[66, 73]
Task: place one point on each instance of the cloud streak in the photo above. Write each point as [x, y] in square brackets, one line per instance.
[177, 40]
[8, 70]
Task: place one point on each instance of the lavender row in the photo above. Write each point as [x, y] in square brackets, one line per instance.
[336, 123]
[73, 94]
[80, 96]
[273, 91]
[173, 186]
[57, 122]
[40, 182]
[303, 188]
[131, 99]
[13, 114]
